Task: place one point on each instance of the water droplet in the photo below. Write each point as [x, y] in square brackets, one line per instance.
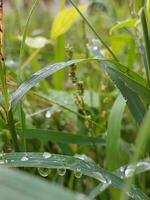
[5, 161]
[100, 177]
[95, 48]
[84, 157]
[24, 158]
[78, 173]
[61, 172]
[80, 197]
[129, 171]
[46, 155]
[143, 165]
[44, 172]
[48, 114]
[2, 162]
[65, 102]
[108, 181]
[122, 169]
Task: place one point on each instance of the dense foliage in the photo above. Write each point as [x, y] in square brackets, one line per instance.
[74, 99]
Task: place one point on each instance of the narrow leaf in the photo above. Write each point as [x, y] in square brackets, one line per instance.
[124, 24]
[113, 133]
[17, 185]
[60, 137]
[64, 20]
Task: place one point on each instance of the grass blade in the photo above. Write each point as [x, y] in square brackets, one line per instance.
[135, 106]
[22, 47]
[18, 185]
[113, 134]
[138, 168]
[134, 103]
[147, 43]
[141, 90]
[38, 76]
[56, 161]
[60, 137]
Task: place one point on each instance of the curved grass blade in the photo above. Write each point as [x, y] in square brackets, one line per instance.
[124, 24]
[113, 134]
[56, 161]
[51, 69]
[60, 137]
[26, 29]
[38, 76]
[135, 106]
[123, 172]
[18, 185]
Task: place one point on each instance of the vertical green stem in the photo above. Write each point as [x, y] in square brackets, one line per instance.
[147, 44]
[12, 129]
[4, 83]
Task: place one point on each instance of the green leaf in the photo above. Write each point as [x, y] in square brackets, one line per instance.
[113, 133]
[141, 90]
[64, 20]
[134, 103]
[60, 137]
[82, 164]
[124, 24]
[37, 77]
[148, 11]
[17, 185]
[147, 44]
[25, 31]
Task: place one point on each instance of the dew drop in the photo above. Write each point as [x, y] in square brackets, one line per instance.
[46, 155]
[143, 165]
[48, 114]
[2, 162]
[80, 197]
[44, 172]
[84, 157]
[78, 173]
[129, 171]
[100, 177]
[61, 172]
[5, 161]
[95, 48]
[65, 102]
[24, 158]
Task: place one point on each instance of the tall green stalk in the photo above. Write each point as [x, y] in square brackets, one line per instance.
[4, 84]
[147, 43]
